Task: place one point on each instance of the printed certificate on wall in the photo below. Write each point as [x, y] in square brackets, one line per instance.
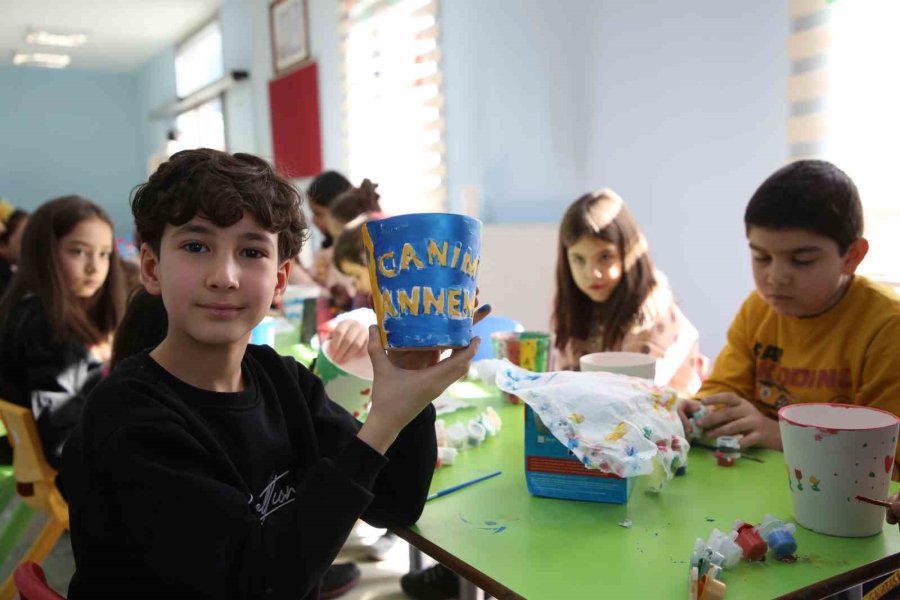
[290, 34]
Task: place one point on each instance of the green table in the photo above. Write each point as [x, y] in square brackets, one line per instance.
[509, 543]
[300, 352]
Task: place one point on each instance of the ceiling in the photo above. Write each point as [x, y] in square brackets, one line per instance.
[123, 34]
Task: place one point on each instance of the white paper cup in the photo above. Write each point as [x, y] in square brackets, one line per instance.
[625, 363]
[834, 452]
[348, 384]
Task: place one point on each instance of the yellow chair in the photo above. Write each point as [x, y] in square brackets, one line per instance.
[35, 485]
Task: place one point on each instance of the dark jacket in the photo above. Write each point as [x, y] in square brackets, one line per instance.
[6, 274]
[49, 376]
[178, 492]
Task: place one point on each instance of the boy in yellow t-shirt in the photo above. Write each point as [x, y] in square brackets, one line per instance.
[812, 331]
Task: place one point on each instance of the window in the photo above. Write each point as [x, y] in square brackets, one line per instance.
[199, 61]
[202, 127]
[844, 95]
[394, 105]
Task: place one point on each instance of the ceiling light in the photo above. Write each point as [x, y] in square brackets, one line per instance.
[65, 40]
[40, 59]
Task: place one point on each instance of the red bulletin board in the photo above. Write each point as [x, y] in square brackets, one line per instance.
[296, 137]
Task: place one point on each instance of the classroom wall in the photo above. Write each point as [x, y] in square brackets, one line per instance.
[678, 106]
[70, 131]
[688, 116]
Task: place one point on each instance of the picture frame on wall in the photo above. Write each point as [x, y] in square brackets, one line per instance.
[289, 26]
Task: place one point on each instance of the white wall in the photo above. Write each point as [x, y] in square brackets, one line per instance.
[516, 262]
[688, 117]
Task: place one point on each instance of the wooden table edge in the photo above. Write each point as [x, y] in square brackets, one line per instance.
[846, 580]
[819, 589]
[463, 569]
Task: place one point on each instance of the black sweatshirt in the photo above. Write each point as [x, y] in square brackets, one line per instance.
[178, 492]
[49, 376]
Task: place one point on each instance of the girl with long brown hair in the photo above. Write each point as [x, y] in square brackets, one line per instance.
[609, 297]
[58, 315]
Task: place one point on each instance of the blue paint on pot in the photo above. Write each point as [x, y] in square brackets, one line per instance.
[423, 269]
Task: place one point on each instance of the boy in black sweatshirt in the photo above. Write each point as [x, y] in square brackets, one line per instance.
[207, 468]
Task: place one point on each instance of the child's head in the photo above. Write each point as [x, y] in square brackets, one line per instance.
[350, 254]
[11, 237]
[69, 260]
[143, 326]
[321, 192]
[805, 227]
[220, 188]
[350, 205]
[218, 234]
[603, 269]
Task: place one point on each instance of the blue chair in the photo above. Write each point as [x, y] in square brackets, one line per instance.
[492, 324]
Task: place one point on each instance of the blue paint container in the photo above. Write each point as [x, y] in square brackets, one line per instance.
[782, 543]
[423, 269]
[779, 536]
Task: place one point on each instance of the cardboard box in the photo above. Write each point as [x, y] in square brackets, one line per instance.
[551, 470]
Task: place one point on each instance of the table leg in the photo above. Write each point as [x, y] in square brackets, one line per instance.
[416, 559]
[469, 591]
[854, 593]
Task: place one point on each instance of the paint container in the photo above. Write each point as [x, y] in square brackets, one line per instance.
[751, 543]
[834, 452]
[423, 269]
[528, 349]
[725, 545]
[634, 364]
[476, 432]
[710, 589]
[349, 384]
[440, 432]
[779, 535]
[457, 436]
[446, 456]
[728, 450]
[696, 430]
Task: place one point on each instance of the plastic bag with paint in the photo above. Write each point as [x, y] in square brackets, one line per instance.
[614, 423]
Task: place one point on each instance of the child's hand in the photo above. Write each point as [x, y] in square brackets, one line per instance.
[685, 409]
[736, 416]
[399, 394]
[102, 351]
[892, 514]
[348, 339]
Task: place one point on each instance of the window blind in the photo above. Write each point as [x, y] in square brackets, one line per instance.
[844, 96]
[393, 108]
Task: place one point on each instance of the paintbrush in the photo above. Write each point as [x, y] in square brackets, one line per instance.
[867, 500]
[713, 448]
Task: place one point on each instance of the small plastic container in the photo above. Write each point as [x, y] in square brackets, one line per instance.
[779, 535]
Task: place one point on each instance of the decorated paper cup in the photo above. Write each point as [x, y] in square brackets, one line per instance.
[833, 453]
[624, 363]
[528, 349]
[348, 384]
[423, 269]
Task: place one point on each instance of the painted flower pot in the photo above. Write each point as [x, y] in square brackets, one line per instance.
[833, 453]
[349, 384]
[527, 349]
[423, 269]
